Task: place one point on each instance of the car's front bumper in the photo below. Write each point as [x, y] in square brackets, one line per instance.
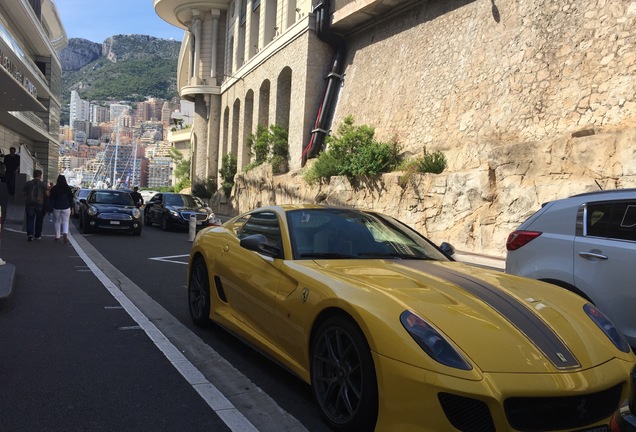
[410, 396]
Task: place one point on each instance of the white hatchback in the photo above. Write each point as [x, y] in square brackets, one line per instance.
[586, 244]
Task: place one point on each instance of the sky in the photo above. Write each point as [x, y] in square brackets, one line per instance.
[97, 20]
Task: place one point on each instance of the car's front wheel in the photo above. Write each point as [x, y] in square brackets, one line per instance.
[86, 226]
[343, 377]
[199, 300]
[147, 218]
[164, 223]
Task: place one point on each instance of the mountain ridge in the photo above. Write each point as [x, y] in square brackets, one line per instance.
[123, 67]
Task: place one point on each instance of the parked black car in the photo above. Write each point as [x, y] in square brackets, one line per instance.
[174, 210]
[109, 210]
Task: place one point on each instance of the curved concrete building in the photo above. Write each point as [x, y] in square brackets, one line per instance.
[246, 63]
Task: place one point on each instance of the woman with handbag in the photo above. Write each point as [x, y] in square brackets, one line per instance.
[61, 200]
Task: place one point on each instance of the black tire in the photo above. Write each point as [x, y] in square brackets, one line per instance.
[86, 227]
[164, 223]
[137, 232]
[343, 379]
[199, 301]
[147, 219]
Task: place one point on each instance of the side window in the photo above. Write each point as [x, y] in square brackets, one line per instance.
[616, 220]
[265, 223]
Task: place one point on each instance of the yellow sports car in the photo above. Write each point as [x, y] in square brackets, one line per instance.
[393, 335]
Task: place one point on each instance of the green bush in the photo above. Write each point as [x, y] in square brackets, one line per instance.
[431, 162]
[269, 145]
[227, 172]
[354, 152]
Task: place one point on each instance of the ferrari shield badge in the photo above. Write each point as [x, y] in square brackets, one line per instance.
[304, 294]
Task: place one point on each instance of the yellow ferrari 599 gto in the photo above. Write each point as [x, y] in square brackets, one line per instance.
[394, 335]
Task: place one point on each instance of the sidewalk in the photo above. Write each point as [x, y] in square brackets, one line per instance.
[13, 241]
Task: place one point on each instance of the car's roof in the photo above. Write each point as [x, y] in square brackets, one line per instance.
[604, 193]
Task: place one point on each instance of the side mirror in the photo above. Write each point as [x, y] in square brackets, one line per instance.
[447, 248]
[82, 200]
[258, 243]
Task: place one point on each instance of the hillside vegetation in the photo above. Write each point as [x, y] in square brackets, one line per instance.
[129, 67]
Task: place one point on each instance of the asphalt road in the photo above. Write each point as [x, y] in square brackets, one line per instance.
[97, 336]
[269, 396]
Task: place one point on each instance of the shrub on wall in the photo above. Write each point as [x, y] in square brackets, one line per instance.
[227, 172]
[354, 152]
[269, 145]
[434, 163]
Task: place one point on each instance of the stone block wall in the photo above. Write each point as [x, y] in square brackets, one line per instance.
[529, 101]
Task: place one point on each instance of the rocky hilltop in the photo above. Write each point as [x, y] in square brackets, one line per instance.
[79, 53]
[123, 67]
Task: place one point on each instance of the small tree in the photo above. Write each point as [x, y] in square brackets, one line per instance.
[269, 145]
[228, 171]
[181, 170]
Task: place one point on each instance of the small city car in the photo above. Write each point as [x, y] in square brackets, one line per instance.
[109, 210]
[173, 210]
[77, 196]
[586, 244]
[393, 334]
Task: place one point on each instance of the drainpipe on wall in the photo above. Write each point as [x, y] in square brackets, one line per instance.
[325, 111]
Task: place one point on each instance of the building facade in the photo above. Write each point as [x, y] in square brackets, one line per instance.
[31, 37]
[528, 101]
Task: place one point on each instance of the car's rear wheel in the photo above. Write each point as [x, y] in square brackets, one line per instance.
[343, 377]
[199, 300]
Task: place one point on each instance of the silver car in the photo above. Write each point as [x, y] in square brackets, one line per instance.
[586, 244]
[77, 196]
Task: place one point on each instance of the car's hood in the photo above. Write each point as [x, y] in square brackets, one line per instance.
[502, 323]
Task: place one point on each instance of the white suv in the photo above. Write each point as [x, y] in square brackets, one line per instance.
[587, 244]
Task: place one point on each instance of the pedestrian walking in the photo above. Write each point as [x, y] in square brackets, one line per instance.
[62, 202]
[137, 198]
[12, 165]
[35, 191]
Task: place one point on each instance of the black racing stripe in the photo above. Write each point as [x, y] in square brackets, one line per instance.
[531, 325]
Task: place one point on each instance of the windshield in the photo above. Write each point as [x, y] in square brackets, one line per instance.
[182, 200]
[112, 197]
[345, 233]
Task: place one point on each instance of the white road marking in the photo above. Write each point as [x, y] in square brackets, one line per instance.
[226, 411]
[168, 259]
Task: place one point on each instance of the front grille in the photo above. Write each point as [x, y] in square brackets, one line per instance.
[536, 414]
[199, 216]
[466, 414]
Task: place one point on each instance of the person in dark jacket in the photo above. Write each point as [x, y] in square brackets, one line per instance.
[61, 198]
[12, 164]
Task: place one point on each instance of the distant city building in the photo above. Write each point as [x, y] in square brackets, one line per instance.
[79, 108]
[160, 172]
[117, 109]
[99, 114]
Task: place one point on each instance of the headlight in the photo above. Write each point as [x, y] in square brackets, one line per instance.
[92, 211]
[174, 213]
[136, 213]
[608, 328]
[432, 342]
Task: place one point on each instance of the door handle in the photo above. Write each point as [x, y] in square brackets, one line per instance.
[592, 255]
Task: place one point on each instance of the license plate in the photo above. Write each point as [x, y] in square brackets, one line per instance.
[595, 429]
[114, 222]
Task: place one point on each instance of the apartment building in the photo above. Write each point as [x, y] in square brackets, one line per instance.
[31, 37]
